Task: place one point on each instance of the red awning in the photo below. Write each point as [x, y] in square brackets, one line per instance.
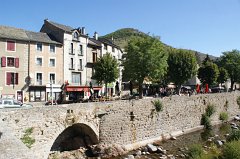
[76, 88]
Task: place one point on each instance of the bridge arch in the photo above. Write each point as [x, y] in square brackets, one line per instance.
[76, 136]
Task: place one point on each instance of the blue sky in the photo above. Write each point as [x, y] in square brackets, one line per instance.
[207, 26]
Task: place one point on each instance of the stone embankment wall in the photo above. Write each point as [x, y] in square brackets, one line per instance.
[135, 123]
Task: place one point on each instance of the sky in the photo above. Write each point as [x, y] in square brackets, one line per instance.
[207, 26]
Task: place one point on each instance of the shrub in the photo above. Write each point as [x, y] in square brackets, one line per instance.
[234, 135]
[238, 101]
[205, 120]
[210, 110]
[223, 116]
[158, 105]
[195, 151]
[26, 139]
[231, 150]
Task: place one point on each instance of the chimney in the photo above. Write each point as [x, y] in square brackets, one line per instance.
[83, 30]
[95, 35]
[79, 30]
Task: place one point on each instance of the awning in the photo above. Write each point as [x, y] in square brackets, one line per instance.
[80, 88]
[77, 88]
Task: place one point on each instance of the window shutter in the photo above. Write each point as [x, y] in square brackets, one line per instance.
[17, 62]
[16, 78]
[3, 61]
[8, 78]
[10, 45]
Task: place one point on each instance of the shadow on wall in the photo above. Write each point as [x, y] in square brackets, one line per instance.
[74, 137]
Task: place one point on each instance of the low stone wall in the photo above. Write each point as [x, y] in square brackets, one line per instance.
[135, 123]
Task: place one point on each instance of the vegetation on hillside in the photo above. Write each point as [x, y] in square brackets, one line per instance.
[121, 38]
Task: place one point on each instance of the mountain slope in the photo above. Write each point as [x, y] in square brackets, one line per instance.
[122, 36]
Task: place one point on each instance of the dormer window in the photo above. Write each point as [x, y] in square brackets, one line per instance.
[75, 35]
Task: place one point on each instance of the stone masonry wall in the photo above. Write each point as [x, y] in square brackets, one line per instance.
[180, 114]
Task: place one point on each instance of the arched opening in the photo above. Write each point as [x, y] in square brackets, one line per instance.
[75, 137]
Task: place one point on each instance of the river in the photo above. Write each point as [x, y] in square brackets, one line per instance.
[182, 143]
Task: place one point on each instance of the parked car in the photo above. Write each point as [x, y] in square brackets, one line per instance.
[217, 89]
[12, 103]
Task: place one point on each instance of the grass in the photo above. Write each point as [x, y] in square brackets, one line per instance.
[223, 116]
[210, 110]
[27, 139]
[158, 105]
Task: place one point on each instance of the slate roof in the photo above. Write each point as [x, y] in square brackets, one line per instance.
[13, 33]
[40, 37]
[95, 42]
[20, 34]
[61, 26]
[108, 42]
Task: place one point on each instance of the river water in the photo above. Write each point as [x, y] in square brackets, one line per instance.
[177, 147]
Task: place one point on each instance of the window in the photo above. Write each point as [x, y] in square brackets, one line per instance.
[52, 48]
[52, 78]
[80, 64]
[105, 46]
[71, 51]
[39, 79]
[52, 62]
[39, 61]
[39, 47]
[81, 50]
[94, 57]
[12, 78]
[71, 64]
[75, 35]
[76, 78]
[11, 46]
[10, 62]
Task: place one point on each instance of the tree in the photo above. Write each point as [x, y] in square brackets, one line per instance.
[145, 58]
[182, 66]
[223, 75]
[230, 60]
[208, 73]
[106, 70]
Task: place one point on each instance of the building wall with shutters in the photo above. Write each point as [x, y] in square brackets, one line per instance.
[13, 76]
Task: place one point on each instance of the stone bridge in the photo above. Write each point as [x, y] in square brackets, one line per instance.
[129, 123]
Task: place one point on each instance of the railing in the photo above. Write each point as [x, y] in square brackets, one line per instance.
[80, 52]
[71, 51]
[71, 67]
[80, 68]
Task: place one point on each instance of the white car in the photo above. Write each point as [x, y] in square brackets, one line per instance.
[12, 103]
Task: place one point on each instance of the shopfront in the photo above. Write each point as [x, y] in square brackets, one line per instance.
[53, 91]
[37, 93]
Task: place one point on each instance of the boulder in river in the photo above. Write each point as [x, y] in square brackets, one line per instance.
[151, 148]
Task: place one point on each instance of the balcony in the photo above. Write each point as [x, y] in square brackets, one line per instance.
[80, 52]
[71, 51]
[71, 67]
[80, 68]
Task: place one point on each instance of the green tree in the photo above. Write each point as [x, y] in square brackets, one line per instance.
[223, 75]
[208, 73]
[145, 58]
[106, 70]
[182, 66]
[230, 60]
